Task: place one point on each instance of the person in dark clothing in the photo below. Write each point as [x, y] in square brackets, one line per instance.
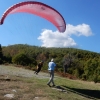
[65, 68]
[66, 64]
[39, 66]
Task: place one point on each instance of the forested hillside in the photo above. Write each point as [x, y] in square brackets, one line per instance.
[82, 64]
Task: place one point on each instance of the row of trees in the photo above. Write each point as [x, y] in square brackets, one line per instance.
[1, 55]
[80, 63]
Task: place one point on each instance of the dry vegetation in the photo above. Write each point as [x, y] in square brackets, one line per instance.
[22, 88]
[34, 88]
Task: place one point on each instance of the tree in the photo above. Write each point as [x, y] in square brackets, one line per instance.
[1, 55]
[21, 59]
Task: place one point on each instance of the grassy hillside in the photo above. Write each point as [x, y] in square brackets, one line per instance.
[83, 64]
[33, 87]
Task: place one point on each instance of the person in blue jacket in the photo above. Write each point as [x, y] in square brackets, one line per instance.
[51, 68]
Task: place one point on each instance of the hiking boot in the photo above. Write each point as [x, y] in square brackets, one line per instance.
[49, 85]
[36, 73]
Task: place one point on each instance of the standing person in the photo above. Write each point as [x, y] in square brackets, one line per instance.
[65, 66]
[51, 68]
[67, 62]
[39, 66]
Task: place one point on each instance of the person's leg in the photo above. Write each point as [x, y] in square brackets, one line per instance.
[51, 78]
[65, 68]
[35, 72]
[38, 70]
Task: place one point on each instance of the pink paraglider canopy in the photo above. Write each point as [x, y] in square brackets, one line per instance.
[39, 9]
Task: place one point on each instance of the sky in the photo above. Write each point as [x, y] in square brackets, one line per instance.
[82, 19]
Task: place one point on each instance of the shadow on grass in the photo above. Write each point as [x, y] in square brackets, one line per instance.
[92, 94]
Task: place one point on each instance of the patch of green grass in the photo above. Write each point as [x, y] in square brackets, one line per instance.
[76, 90]
[31, 88]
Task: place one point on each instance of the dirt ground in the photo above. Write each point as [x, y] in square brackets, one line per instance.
[14, 87]
[11, 70]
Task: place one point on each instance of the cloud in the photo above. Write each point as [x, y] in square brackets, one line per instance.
[57, 39]
[79, 30]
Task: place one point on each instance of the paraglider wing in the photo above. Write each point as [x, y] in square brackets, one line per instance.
[39, 9]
